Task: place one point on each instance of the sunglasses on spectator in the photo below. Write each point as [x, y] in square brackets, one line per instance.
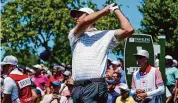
[139, 57]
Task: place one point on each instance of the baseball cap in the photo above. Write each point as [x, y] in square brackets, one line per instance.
[112, 82]
[38, 92]
[168, 57]
[124, 87]
[84, 10]
[59, 67]
[116, 62]
[45, 68]
[9, 60]
[32, 71]
[67, 73]
[37, 66]
[142, 53]
[56, 83]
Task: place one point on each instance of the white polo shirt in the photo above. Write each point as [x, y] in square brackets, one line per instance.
[90, 53]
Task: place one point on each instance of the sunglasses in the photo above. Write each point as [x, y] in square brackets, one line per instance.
[139, 57]
[4, 66]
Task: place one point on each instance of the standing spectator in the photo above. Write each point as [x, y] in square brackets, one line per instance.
[17, 86]
[112, 94]
[117, 68]
[109, 69]
[124, 98]
[67, 75]
[56, 76]
[40, 80]
[90, 49]
[108, 76]
[116, 77]
[147, 81]
[171, 74]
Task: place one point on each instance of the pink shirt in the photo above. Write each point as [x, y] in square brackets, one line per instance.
[40, 81]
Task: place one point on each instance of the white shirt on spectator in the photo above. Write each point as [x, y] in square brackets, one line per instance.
[47, 98]
[90, 53]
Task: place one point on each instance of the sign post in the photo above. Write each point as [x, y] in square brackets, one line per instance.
[162, 61]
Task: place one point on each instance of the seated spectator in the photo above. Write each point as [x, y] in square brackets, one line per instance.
[124, 98]
[39, 96]
[112, 94]
[54, 96]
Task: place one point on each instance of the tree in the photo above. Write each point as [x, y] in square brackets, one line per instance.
[161, 15]
[30, 24]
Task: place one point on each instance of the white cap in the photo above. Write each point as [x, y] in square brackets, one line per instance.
[142, 53]
[67, 73]
[45, 68]
[124, 86]
[174, 62]
[31, 70]
[115, 62]
[9, 60]
[37, 66]
[85, 10]
[168, 57]
[49, 73]
[59, 67]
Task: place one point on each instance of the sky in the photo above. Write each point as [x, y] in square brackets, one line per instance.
[129, 9]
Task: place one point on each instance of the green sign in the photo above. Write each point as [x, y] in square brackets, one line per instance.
[132, 44]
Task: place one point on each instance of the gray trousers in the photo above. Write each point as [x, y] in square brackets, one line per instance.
[95, 92]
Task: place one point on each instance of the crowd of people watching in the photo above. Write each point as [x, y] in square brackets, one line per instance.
[54, 84]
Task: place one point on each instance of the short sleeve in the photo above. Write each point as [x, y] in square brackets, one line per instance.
[114, 41]
[72, 38]
[8, 85]
[158, 77]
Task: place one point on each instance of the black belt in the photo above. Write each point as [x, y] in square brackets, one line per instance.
[88, 81]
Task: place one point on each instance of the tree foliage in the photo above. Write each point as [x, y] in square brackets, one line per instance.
[28, 25]
[161, 17]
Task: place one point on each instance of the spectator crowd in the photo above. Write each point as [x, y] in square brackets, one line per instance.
[54, 84]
